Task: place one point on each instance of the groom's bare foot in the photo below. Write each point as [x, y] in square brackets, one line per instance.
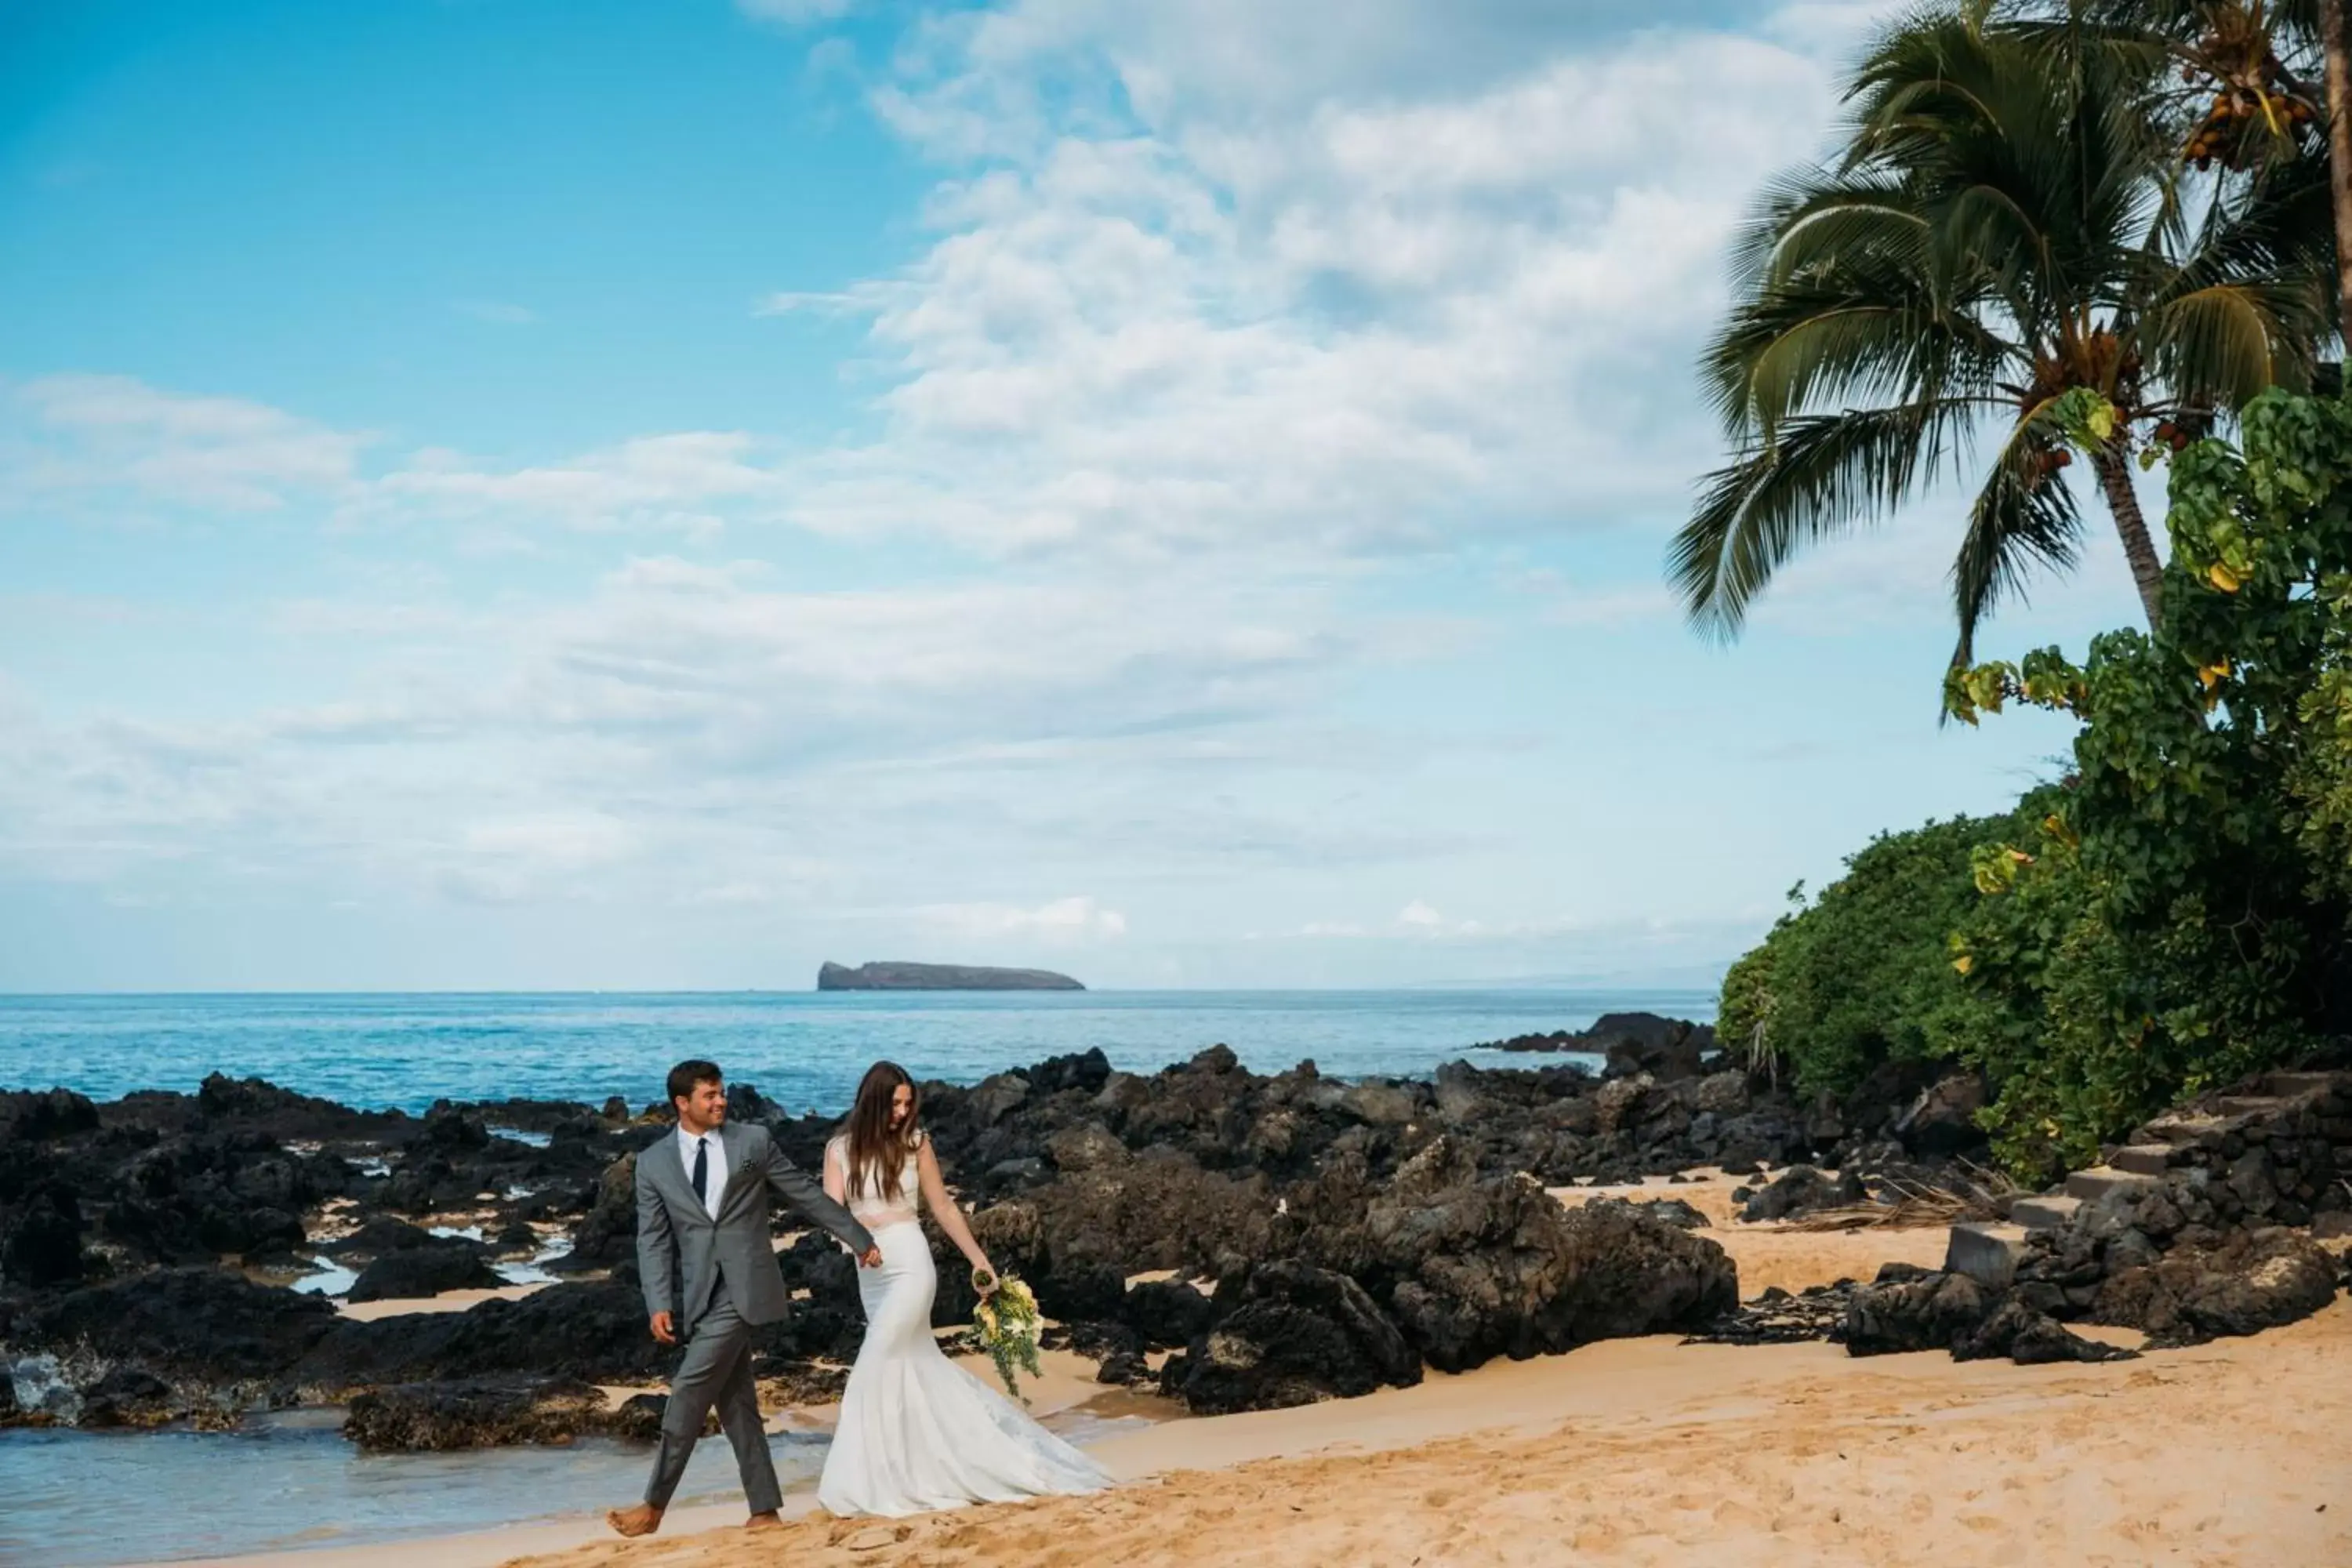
[770, 1520]
[642, 1520]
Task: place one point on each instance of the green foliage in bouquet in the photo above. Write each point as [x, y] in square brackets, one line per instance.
[1007, 1324]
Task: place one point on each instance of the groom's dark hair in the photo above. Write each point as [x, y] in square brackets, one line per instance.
[687, 1074]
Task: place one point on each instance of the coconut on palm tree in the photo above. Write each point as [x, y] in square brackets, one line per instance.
[2010, 223]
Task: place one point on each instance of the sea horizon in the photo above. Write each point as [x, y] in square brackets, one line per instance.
[404, 1049]
[1661, 987]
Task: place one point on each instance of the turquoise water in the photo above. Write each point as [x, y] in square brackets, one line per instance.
[78, 1499]
[805, 1049]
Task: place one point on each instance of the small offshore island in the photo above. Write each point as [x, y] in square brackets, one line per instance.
[938, 977]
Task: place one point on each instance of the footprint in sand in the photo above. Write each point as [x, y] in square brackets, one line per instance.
[875, 1537]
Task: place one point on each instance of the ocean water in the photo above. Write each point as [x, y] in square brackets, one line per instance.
[805, 1049]
[80, 1499]
[289, 1481]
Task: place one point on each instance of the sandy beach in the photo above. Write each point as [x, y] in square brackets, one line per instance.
[1650, 1452]
[1647, 1452]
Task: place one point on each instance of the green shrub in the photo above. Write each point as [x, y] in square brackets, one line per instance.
[2181, 917]
[1863, 974]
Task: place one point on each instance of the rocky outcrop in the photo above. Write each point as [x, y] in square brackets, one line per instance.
[1476, 1269]
[607, 1234]
[896, 976]
[1779, 1316]
[38, 1116]
[229, 1174]
[1799, 1190]
[41, 1239]
[1324, 1235]
[203, 1323]
[422, 1271]
[418, 1418]
[1298, 1334]
[1942, 1119]
[129, 1396]
[1368, 1282]
[1165, 1314]
[1911, 1309]
[2015, 1332]
[1667, 1048]
[2249, 1281]
[593, 1331]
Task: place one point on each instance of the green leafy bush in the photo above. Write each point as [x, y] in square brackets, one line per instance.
[1864, 975]
[2177, 912]
[2181, 917]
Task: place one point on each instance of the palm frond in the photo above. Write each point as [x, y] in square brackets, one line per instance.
[2023, 518]
[1820, 476]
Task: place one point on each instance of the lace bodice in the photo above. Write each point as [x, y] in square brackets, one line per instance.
[874, 1207]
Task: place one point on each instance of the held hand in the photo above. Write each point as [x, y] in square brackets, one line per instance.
[662, 1329]
[983, 1278]
[870, 1259]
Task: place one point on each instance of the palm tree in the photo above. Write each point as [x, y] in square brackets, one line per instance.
[2257, 59]
[2011, 222]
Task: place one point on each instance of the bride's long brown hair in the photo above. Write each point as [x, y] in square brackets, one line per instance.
[875, 1150]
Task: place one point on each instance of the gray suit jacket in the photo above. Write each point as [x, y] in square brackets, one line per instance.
[673, 1224]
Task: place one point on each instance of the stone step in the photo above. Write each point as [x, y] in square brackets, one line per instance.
[2098, 1181]
[2290, 1084]
[2144, 1159]
[1987, 1254]
[2180, 1129]
[2250, 1104]
[2047, 1212]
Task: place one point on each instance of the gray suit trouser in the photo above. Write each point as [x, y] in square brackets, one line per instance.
[717, 1371]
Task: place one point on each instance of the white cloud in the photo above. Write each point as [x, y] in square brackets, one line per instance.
[114, 434]
[697, 734]
[679, 482]
[1231, 280]
[1224, 277]
[1062, 919]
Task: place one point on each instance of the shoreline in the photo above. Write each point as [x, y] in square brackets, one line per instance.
[1984, 1462]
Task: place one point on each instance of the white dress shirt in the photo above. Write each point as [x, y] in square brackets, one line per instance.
[716, 1186]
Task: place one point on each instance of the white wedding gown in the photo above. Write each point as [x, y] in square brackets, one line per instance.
[918, 1432]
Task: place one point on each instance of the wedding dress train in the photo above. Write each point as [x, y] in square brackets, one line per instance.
[918, 1432]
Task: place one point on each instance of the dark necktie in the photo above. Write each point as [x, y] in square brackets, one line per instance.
[702, 1170]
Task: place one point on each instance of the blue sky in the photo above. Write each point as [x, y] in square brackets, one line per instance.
[511, 493]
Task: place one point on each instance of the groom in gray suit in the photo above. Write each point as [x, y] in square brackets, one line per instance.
[702, 1199]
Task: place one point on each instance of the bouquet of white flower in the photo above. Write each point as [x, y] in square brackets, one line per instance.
[1007, 1325]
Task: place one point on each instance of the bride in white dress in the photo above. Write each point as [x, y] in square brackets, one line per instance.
[918, 1432]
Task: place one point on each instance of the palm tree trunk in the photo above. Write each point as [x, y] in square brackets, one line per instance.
[2339, 141]
[2113, 466]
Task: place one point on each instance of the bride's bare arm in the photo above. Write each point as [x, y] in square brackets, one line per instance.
[836, 1175]
[943, 1206]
